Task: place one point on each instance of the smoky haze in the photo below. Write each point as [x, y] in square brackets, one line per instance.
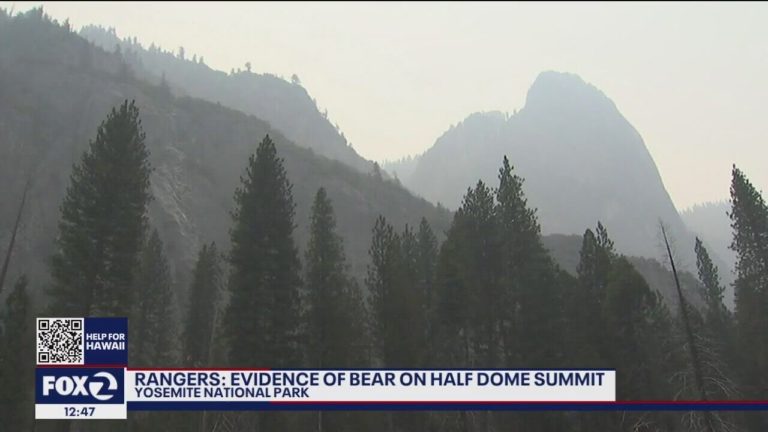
[394, 77]
[231, 179]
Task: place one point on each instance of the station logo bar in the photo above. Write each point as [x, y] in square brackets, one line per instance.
[81, 368]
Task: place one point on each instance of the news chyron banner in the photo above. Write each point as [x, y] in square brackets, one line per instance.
[82, 373]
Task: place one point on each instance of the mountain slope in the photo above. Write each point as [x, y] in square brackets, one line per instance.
[285, 105]
[565, 250]
[55, 89]
[581, 159]
[711, 223]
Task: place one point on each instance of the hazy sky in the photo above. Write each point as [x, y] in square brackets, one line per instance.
[692, 78]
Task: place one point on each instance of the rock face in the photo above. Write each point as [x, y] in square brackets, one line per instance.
[55, 89]
[581, 160]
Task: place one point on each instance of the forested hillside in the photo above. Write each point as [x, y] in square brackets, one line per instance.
[286, 105]
[55, 87]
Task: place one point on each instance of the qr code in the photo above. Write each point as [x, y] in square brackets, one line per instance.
[59, 341]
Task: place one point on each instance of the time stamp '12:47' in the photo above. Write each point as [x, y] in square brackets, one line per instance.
[79, 412]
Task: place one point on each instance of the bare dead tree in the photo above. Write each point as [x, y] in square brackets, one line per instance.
[692, 348]
[9, 252]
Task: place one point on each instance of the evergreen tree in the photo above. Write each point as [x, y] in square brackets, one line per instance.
[153, 320]
[584, 302]
[587, 330]
[715, 338]
[528, 295]
[479, 274]
[426, 267]
[588, 327]
[382, 281]
[452, 316]
[470, 306]
[529, 289]
[412, 305]
[631, 311]
[261, 319]
[603, 241]
[200, 329]
[16, 360]
[467, 283]
[154, 329]
[749, 220]
[397, 304]
[203, 300]
[496, 282]
[336, 322]
[333, 297]
[717, 318]
[103, 221]
[615, 320]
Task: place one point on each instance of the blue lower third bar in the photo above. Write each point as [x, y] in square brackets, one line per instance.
[457, 406]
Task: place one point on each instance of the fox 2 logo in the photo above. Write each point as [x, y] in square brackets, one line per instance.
[79, 386]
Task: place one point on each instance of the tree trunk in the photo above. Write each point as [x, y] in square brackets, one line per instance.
[692, 350]
[8, 253]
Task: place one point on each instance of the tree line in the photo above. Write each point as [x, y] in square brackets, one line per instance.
[489, 296]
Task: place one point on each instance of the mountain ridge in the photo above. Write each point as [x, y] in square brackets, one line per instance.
[55, 89]
[197, 149]
[287, 106]
[581, 159]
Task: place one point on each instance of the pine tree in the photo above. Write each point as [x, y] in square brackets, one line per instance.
[154, 329]
[615, 320]
[333, 303]
[154, 325]
[716, 336]
[631, 309]
[262, 316]
[397, 304]
[596, 259]
[200, 328]
[528, 283]
[603, 241]
[426, 267]
[103, 221]
[717, 318]
[358, 322]
[749, 220]
[16, 366]
[335, 317]
[411, 301]
[528, 296]
[382, 281]
[204, 297]
[452, 314]
[588, 327]
[480, 274]
[466, 284]
[469, 302]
